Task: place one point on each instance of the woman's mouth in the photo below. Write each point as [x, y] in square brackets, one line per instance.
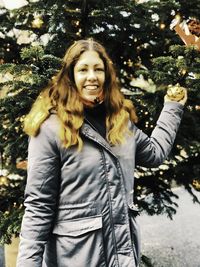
[91, 87]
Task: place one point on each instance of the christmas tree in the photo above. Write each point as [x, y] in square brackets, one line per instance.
[148, 57]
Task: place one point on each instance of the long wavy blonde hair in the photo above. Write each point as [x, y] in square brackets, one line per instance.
[62, 95]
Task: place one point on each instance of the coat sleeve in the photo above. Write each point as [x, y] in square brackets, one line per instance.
[152, 151]
[40, 197]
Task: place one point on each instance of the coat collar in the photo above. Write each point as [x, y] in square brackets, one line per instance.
[93, 135]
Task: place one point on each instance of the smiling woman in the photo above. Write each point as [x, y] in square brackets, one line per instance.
[83, 149]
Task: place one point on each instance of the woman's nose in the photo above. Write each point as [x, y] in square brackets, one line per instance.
[91, 75]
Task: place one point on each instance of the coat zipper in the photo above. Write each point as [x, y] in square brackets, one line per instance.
[110, 205]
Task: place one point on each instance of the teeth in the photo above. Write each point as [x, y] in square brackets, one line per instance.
[91, 87]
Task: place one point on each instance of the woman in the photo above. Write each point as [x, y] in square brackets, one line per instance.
[82, 152]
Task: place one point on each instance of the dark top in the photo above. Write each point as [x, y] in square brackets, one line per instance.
[96, 117]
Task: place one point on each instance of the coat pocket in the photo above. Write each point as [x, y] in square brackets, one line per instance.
[78, 227]
[76, 242]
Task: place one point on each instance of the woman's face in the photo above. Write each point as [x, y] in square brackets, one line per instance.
[89, 75]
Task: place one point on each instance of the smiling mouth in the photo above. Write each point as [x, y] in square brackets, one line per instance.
[91, 87]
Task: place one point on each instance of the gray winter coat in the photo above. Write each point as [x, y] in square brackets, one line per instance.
[79, 205]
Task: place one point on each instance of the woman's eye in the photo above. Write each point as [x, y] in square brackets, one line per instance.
[99, 69]
[83, 70]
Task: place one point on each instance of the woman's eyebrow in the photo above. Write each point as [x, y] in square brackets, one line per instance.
[85, 65]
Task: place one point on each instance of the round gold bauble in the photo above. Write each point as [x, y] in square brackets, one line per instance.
[4, 180]
[175, 92]
[37, 22]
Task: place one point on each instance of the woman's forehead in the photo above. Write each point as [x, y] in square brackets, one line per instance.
[90, 57]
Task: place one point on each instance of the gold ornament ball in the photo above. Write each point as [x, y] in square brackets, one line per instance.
[37, 22]
[4, 180]
[175, 92]
[196, 184]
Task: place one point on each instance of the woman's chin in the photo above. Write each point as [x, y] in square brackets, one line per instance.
[90, 98]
